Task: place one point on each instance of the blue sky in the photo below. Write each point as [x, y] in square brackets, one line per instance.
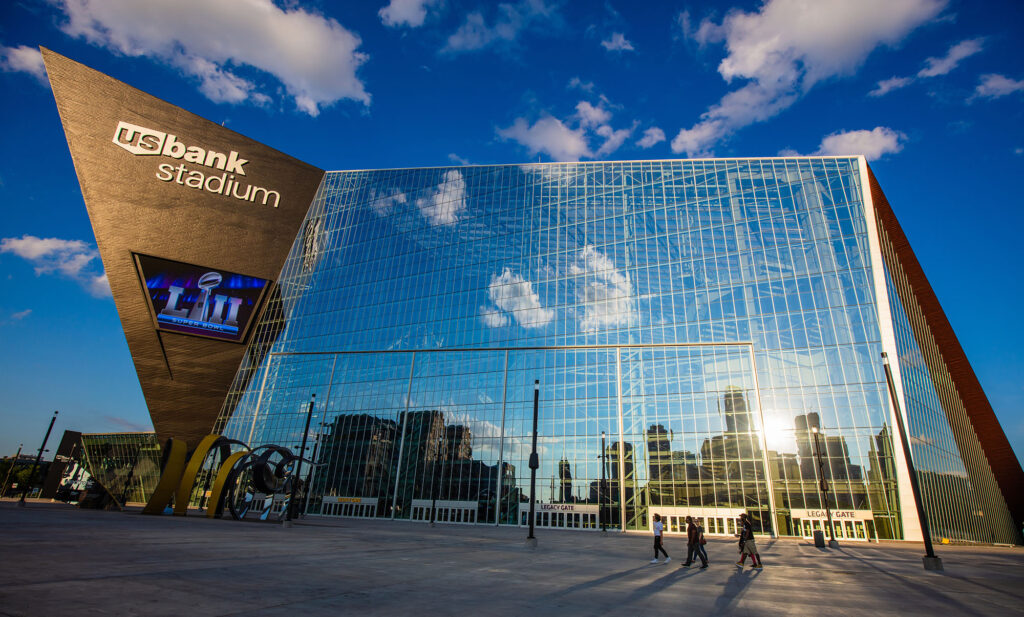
[930, 90]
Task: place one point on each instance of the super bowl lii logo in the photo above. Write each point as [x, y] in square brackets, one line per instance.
[210, 312]
[198, 300]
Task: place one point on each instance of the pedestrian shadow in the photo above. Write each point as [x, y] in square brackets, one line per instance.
[596, 582]
[922, 589]
[1017, 597]
[662, 582]
[734, 589]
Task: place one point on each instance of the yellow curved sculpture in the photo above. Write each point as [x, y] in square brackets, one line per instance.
[169, 479]
[188, 479]
[179, 475]
[214, 507]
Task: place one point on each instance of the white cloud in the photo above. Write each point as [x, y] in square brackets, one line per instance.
[21, 314]
[888, 85]
[605, 292]
[706, 32]
[550, 136]
[872, 144]
[458, 160]
[590, 116]
[98, 285]
[510, 21]
[72, 259]
[314, 57]
[563, 143]
[383, 204]
[23, 59]
[651, 136]
[411, 13]
[934, 66]
[220, 85]
[613, 139]
[785, 48]
[514, 295]
[941, 66]
[493, 318]
[993, 86]
[617, 42]
[577, 83]
[446, 200]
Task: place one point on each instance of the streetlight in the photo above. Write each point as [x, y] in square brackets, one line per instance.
[824, 490]
[931, 560]
[35, 465]
[3, 489]
[297, 474]
[314, 463]
[433, 479]
[600, 487]
[534, 465]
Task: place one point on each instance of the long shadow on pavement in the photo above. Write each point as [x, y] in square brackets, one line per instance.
[596, 582]
[734, 589]
[922, 589]
[662, 582]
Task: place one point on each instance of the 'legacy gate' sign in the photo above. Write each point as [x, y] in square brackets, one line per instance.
[142, 141]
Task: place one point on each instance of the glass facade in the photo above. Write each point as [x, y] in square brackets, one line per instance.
[960, 495]
[126, 465]
[705, 334]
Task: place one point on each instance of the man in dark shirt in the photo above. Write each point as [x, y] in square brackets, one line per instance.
[692, 544]
[748, 546]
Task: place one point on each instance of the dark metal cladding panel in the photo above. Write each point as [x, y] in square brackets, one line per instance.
[1005, 466]
[184, 378]
[69, 443]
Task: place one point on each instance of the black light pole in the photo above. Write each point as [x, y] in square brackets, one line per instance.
[600, 487]
[3, 489]
[312, 466]
[35, 465]
[434, 481]
[534, 464]
[824, 490]
[297, 473]
[931, 560]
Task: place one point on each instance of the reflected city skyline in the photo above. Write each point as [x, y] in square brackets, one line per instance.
[702, 314]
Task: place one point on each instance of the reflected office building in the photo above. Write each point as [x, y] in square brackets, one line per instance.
[706, 316]
[707, 334]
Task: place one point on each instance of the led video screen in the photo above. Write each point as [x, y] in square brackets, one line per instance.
[200, 301]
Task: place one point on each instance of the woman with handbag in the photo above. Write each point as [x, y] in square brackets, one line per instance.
[701, 541]
[693, 544]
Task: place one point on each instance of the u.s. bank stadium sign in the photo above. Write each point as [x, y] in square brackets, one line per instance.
[142, 141]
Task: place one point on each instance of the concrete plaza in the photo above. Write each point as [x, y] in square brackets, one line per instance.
[57, 560]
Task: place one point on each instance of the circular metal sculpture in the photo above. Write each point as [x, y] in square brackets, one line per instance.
[260, 484]
[253, 484]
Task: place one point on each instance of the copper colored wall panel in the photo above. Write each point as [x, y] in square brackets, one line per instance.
[184, 378]
[1001, 458]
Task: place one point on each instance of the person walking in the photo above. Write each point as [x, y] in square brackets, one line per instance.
[747, 544]
[701, 541]
[658, 528]
[693, 544]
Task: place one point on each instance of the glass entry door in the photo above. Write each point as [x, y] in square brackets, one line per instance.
[846, 530]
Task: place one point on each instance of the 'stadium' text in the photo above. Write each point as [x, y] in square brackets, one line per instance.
[143, 141]
[223, 184]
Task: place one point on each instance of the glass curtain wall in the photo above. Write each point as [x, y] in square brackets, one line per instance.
[127, 465]
[754, 273]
